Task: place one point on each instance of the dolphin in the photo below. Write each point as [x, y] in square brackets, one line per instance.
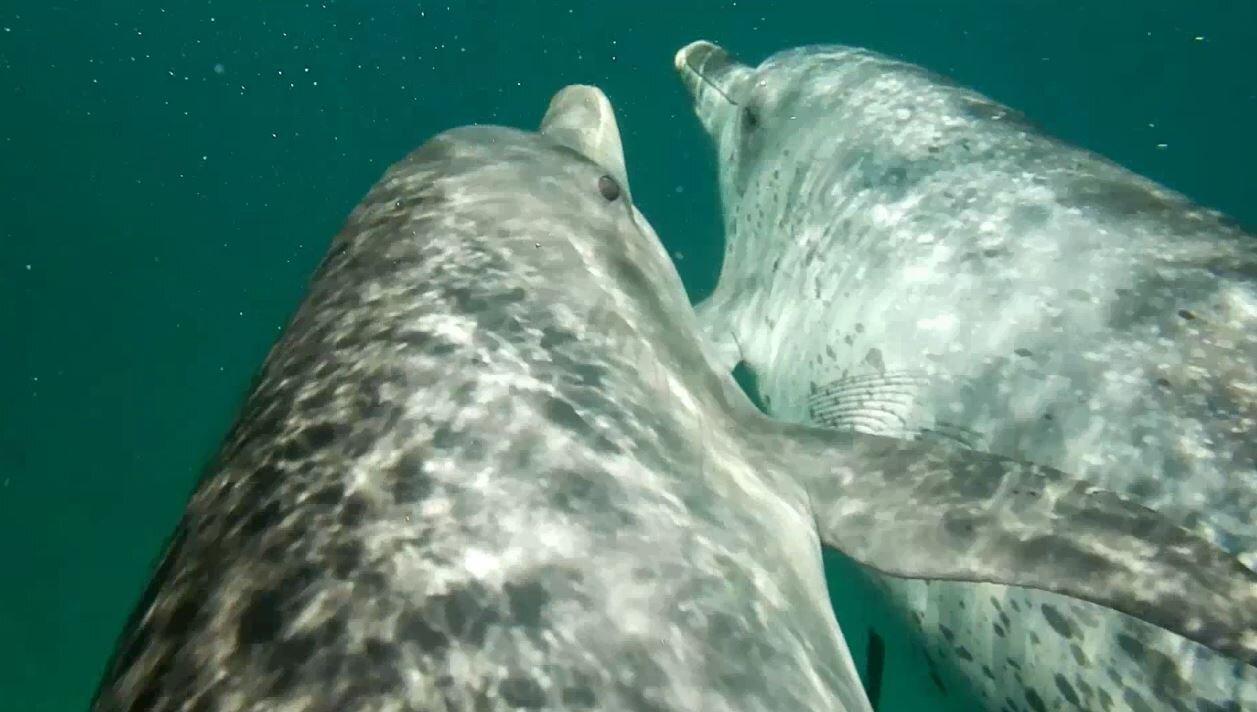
[910, 258]
[487, 466]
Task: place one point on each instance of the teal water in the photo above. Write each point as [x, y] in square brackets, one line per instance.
[170, 175]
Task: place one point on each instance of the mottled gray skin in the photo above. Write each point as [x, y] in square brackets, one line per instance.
[910, 258]
[488, 467]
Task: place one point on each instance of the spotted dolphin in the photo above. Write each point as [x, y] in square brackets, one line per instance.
[908, 257]
[488, 466]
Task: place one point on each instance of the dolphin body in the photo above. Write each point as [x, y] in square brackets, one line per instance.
[910, 258]
[488, 467]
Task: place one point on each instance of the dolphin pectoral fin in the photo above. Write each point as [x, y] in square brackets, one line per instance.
[921, 510]
[719, 342]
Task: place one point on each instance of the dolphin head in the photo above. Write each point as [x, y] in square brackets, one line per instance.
[750, 112]
[563, 186]
[553, 204]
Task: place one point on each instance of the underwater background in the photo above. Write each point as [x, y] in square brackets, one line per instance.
[170, 174]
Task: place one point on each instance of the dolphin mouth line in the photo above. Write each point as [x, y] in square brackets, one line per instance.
[707, 80]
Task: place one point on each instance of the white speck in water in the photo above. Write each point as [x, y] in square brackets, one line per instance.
[1163, 145]
[219, 68]
[28, 268]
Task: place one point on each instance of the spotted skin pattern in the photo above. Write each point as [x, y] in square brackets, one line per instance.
[488, 467]
[910, 258]
[456, 486]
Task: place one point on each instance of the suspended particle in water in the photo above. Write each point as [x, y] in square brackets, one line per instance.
[219, 68]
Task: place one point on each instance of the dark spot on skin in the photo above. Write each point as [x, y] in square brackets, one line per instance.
[999, 630]
[1135, 702]
[550, 338]
[874, 358]
[287, 656]
[329, 495]
[750, 120]
[467, 613]
[1186, 314]
[346, 558]
[1163, 382]
[522, 693]
[1130, 646]
[261, 620]
[527, 602]
[1067, 690]
[353, 511]
[444, 437]
[579, 697]
[1023, 352]
[1079, 656]
[1035, 702]
[963, 653]
[409, 484]
[947, 633]
[1058, 622]
[934, 676]
[959, 524]
[411, 626]
[1106, 700]
[560, 412]
[608, 188]
[987, 672]
[183, 617]
[262, 519]
[380, 653]
[319, 436]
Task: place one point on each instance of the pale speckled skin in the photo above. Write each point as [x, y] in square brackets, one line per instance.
[488, 467]
[910, 258]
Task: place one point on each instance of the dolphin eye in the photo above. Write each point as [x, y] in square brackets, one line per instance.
[750, 120]
[608, 188]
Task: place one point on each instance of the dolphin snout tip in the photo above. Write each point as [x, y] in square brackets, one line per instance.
[692, 55]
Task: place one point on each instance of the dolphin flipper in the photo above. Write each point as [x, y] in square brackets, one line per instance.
[719, 343]
[921, 510]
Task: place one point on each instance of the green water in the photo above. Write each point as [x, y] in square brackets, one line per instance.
[170, 174]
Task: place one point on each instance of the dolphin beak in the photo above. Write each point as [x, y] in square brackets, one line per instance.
[702, 65]
[581, 118]
[712, 76]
